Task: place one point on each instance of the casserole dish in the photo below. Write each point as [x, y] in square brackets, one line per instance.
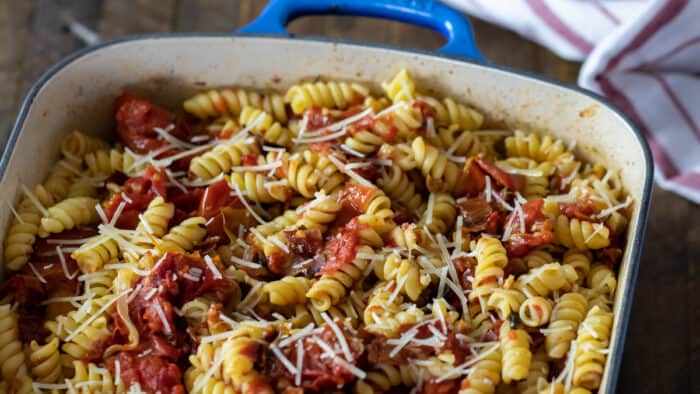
[172, 67]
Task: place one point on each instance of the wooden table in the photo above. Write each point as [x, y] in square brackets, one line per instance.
[663, 343]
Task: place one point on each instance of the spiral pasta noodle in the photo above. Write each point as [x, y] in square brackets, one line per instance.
[534, 147]
[61, 177]
[580, 261]
[384, 377]
[24, 228]
[231, 101]
[185, 235]
[76, 144]
[105, 162]
[516, 357]
[220, 159]
[602, 278]
[45, 361]
[154, 221]
[448, 112]
[383, 314]
[289, 290]
[491, 259]
[401, 88]
[319, 213]
[539, 369]
[544, 280]
[310, 172]
[12, 359]
[99, 380]
[254, 186]
[69, 214]
[506, 302]
[441, 174]
[581, 234]
[330, 288]
[329, 94]
[348, 310]
[568, 313]
[535, 311]
[456, 140]
[443, 213]
[485, 374]
[405, 273]
[397, 185]
[593, 337]
[264, 125]
[97, 252]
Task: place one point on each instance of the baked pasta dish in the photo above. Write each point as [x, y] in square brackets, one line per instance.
[322, 240]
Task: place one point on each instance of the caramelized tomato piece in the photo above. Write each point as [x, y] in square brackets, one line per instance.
[136, 119]
[342, 248]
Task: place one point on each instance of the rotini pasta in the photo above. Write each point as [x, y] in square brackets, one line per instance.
[324, 240]
[230, 102]
[324, 94]
[515, 348]
[69, 214]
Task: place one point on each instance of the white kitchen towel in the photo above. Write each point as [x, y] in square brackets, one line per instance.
[644, 56]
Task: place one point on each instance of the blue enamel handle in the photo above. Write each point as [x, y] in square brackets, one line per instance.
[427, 13]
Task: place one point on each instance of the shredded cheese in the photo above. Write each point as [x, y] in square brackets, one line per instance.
[352, 174]
[338, 334]
[218, 360]
[237, 190]
[212, 267]
[322, 138]
[279, 244]
[614, 208]
[35, 201]
[96, 315]
[245, 263]
[257, 168]
[304, 332]
[429, 210]
[351, 151]
[330, 353]
[300, 363]
[165, 134]
[463, 369]
[37, 274]
[406, 337]
[285, 361]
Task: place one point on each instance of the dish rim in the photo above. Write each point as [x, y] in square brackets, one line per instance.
[627, 298]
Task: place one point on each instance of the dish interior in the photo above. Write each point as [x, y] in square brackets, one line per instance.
[80, 95]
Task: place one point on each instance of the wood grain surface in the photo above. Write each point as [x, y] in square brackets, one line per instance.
[663, 342]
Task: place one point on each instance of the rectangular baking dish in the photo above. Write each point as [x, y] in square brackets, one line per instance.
[78, 93]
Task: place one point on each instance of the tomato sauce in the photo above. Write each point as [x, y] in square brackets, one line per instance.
[317, 118]
[152, 373]
[250, 159]
[139, 192]
[582, 209]
[342, 249]
[319, 373]
[136, 119]
[515, 182]
[358, 196]
[223, 210]
[472, 180]
[538, 229]
[426, 110]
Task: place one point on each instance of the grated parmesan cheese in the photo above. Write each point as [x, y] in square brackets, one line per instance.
[212, 267]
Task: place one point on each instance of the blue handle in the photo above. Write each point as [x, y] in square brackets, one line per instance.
[427, 13]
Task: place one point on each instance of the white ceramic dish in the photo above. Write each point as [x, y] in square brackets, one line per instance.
[79, 93]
